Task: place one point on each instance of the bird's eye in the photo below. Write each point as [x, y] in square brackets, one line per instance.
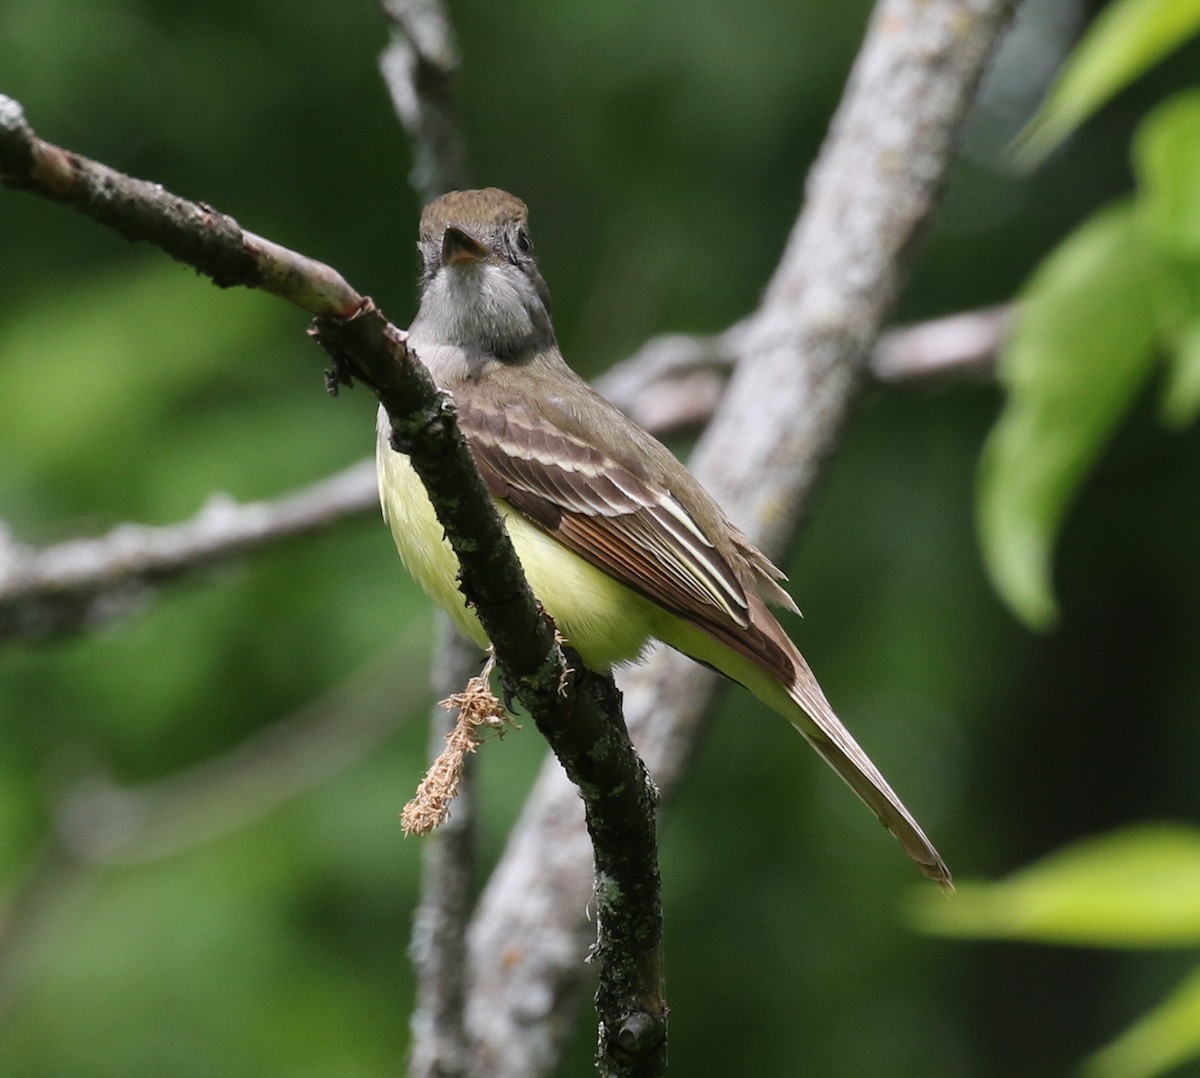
[524, 244]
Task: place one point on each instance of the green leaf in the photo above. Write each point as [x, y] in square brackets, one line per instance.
[1166, 154]
[1160, 1041]
[1081, 349]
[1181, 397]
[1139, 887]
[1166, 157]
[1127, 38]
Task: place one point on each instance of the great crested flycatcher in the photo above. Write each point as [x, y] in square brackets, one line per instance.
[617, 539]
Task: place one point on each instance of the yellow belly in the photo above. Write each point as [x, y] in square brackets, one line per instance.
[603, 620]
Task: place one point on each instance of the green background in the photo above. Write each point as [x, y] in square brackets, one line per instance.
[662, 151]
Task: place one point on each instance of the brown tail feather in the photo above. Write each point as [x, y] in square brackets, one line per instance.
[766, 645]
[762, 657]
[839, 749]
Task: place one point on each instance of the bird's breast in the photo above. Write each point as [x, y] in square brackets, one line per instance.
[603, 620]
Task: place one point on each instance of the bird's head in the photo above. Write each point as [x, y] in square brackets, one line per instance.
[480, 284]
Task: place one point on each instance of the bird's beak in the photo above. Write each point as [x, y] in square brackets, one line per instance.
[459, 246]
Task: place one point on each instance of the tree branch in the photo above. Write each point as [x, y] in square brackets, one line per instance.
[190, 232]
[578, 715]
[85, 582]
[677, 380]
[575, 709]
[959, 345]
[419, 67]
[438, 950]
[674, 381]
[805, 352]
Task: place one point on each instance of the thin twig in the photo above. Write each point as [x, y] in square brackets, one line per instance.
[959, 345]
[674, 381]
[677, 380]
[420, 68]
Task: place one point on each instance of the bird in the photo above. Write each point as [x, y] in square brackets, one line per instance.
[619, 542]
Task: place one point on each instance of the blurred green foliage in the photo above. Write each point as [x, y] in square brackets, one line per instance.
[1081, 351]
[662, 150]
[1122, 290]
[1135, 888]
[1139, 887]
[1127, 38]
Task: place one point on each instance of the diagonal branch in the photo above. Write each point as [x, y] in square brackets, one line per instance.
[576, 710]
[190, 232]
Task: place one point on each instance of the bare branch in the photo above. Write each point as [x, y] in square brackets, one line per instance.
[419, 66]
[806, 350]
[438, 950]
[959, 344]
[673, 381]
[81, 583]
[677, 380]
[189, 232]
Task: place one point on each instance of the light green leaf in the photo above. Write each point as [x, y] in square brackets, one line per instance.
[1139, 887]
[1181, 398]
[1160, 1041]
[1081, 349]
[1126, 38]
[1166, 156]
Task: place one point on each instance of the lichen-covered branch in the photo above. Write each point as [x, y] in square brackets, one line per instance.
[576, 710]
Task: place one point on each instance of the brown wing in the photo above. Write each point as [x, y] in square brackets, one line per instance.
[630, 527]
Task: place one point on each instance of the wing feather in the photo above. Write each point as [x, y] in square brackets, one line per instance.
[598, 507]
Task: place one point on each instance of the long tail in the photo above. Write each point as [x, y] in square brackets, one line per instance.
[763, 659]
[839, 749]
